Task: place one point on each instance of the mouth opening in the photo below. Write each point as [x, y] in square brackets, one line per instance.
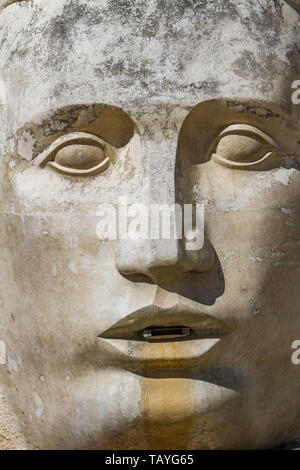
[166, 333]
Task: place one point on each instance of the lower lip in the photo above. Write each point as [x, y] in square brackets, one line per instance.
[161, 355]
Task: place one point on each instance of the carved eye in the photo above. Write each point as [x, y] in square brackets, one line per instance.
[77, 154]
[242, 146]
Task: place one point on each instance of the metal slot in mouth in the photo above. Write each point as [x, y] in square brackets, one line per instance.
[168, 332]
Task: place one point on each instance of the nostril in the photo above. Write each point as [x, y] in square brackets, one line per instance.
[133, 269]
[138, 277]
[147, 260]
[199, 260]
[162, 261]
[131, 257]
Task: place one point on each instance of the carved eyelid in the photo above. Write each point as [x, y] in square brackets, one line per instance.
[243, 130]
[76, 138]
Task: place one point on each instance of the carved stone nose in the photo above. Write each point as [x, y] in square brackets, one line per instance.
[161, 260]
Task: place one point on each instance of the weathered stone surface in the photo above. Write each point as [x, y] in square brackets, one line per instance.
[190, 101]
[11, 437]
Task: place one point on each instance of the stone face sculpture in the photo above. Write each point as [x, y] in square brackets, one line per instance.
[186, 101]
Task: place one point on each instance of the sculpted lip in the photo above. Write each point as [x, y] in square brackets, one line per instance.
[181, 322]
[157, 337]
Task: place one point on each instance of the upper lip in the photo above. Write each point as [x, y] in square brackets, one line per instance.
[188, 315]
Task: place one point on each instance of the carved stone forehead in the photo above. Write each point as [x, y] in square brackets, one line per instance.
[132, 52]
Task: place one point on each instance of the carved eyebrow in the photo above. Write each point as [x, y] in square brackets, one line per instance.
[244, 130]
[5, 3]
[72, 138]
[110, 123]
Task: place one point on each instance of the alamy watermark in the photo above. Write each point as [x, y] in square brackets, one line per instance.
[152, 222]
[296, 354]
[296, 93]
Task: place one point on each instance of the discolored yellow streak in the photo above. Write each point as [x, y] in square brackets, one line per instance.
[167, 406]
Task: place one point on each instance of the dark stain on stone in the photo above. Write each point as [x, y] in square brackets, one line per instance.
[266, 22]
[248, 66]
[243, 107]
[170, 14]
[73, 13]
[61, 28]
